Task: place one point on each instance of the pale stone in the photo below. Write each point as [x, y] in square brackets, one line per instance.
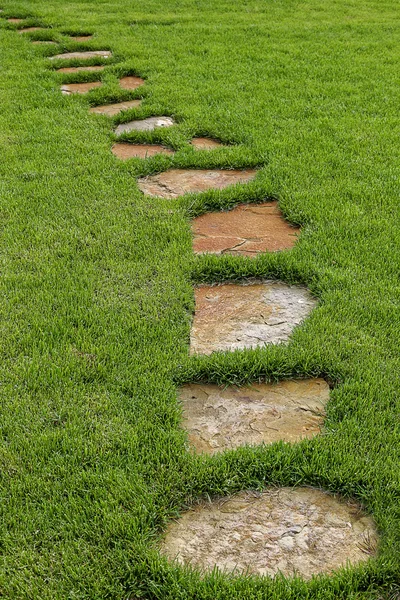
[114, 109]
[82, 55]
[144, 124]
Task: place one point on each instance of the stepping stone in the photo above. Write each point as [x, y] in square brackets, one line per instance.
[237, 316]
[79, 88]
[176, 182]
[203, 143]
[82, 55]
[126, 151]
[248, 229]
[29, 29]
[81, 38]
[113, 109]
[15, 20]
[294, 531]
[77, 69]
[43, 42]
[131, 83]
[145, 124]
[222, 418]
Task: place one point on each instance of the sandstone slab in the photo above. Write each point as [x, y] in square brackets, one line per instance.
[237, 316]
[246, 230]
[294, 531]
[145, 124]
[130, 83]
[82, 55]
[79, 88]
[222, 418]
[204, 143]
[126, 151]
[176, 182]
[114, 109]
[78, 69]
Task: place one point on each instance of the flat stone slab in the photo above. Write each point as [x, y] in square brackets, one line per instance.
[15, 20]
[131, 83]
[82, 55]
[126, 151]
[222, 418]
[78, 69]
[204, 143]
[176, 182]
[145, 124]
[302, 531]
[37, 42]
[113, 109]
[237, 316]
[29, 29]
[247, 230]
[79, 88]
[81, 38]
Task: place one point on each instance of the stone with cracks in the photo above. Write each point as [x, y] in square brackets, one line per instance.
[126, 151]
[114, 109]
[221, 418]
[247, 230]
[237, 316]
[79, 88]
[82, 55]
[176, 182]
[131, 83]
[204, 143]
[295, 531]
[145, 124]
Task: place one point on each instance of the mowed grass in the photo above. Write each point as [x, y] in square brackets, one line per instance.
[97, 283]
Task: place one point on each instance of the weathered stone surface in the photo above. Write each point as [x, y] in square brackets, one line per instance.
[77, 69]
[301, 531]
[247, 230]
[29, 29]
[233, 316]
[176, 182]
[113, 109]
[82, 55]
[145, 124]
[130, 83]
[81, 38]
[222, 418]
[126, 151]
[79, 88]
[204, 143]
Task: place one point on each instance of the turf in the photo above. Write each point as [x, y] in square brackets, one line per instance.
[97, 283]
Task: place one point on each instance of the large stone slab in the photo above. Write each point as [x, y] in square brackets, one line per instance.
[126, 151]
[176, 182]
[114, 109]
[145, 124]
[247, 230]
[131, 83]
[221, 418]
[82, 55]
[237, 316]
[204, 143]
[78, 69]
[302, 531]
[79, 88]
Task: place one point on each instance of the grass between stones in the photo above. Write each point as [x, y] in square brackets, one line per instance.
[97, 282]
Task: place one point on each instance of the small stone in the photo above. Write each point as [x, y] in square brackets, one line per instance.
[80, 88]
[82, 55]
[81, 38]
[78, 69]
[204, 143]
[43, 42]
[114, 109]
[130, 83]
[126, 151]
[145, 124]
[15, 20]
[29, 29]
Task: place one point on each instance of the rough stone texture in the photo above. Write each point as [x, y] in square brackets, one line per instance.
[247, 230]
[233, 316]
[82, 55]
[203, 143]
[130, 83]
[81, 38]
[113, 109]
[77, 69]
[126, 151]
[29, 29]
[79, 88]
[301, 531]
[175, 182]
[218, 418]
[145, 124]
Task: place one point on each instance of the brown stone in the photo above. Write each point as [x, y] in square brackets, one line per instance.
[144, 124]
[127, 151]
[82, 55]
[14, 20]
[295, 531]
[43, 42]
[78, 69]
[233, 316]
[79, 88]
[222, 418]
[81, 38]
[113, 109]
[130, 83]
[203, 143]
[29, 29]
[247, 230]
[176, 182]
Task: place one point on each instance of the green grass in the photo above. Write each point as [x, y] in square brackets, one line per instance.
[97, 283]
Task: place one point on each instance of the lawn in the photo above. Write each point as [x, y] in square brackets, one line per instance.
[97, 283]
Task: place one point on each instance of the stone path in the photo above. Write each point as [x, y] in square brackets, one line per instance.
[125, 151]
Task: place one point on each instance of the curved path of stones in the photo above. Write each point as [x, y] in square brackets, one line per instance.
[288, 530]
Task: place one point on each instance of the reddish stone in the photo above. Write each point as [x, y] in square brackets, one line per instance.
[79, 88]
[203, 143]
[247, 230]
[77, 69]
[127, 151]
[176, 182]
[130, 83]
[82, 55]
[113, 109]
